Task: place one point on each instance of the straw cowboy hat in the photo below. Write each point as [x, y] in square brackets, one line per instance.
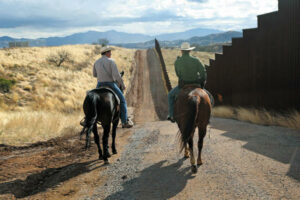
[185, 46]
[106, 48]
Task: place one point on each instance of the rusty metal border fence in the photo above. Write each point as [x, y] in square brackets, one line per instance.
[261, 69]
[163, 65]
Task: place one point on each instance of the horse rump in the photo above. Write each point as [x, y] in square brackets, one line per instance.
[192, 109]
[187, 120]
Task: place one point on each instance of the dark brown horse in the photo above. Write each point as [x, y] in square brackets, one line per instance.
[192, 109]
[101, 106]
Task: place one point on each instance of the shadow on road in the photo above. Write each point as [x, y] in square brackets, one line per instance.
[40, 182]
[278, 143]
[156, 182]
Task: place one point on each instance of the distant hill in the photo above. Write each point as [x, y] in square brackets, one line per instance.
[5, 40]
[114, 37]
[92, 36]
[216, 48]
[215, 38]
[187, 34]
[81, 38]
[212, 41]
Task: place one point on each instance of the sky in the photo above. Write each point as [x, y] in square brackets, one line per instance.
[44, 18]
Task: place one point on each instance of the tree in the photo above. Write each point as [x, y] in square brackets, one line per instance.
[103, 42]
[60, 57]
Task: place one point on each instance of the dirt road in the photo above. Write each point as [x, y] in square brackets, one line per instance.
[241, 160]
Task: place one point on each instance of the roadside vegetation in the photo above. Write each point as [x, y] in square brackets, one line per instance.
[6, 84]
[259, 116]
[40, 98]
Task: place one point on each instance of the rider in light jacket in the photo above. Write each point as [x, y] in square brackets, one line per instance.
[107, 74]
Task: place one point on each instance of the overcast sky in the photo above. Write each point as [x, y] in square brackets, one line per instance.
[43, 18]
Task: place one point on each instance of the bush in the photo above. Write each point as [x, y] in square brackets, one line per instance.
[59, 58]
[5, 85]
[103, 42]
[97, 49]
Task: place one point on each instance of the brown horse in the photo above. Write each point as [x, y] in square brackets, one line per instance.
[192, 109]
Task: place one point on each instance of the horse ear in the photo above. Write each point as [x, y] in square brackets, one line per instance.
[122, 73]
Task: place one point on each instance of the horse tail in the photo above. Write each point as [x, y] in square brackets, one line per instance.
[190, 122]
[91, 113]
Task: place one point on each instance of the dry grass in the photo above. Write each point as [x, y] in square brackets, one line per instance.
[44, 86]
[170, 55]
[21, 128]
[262, 116]
[47, 99]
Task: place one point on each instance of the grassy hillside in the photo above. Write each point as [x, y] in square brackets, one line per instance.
[44, 99]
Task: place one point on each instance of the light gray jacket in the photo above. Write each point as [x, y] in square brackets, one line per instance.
[105, 69]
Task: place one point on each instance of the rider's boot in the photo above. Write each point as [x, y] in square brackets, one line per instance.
[171, 119]
[128, 124]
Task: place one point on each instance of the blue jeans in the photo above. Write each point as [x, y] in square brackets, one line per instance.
[171, 98]
[117, 90]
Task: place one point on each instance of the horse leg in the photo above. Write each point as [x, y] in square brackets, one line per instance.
[87, 139]
[106, 154]
[114, 131]
[202, 133]
[192, 159]
[186, 151]
[96, 138]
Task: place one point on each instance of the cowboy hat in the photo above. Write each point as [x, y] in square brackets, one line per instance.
[106, 48]
[185, 46]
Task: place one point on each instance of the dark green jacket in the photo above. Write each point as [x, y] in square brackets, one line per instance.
[190, 69]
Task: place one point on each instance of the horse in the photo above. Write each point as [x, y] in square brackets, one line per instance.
[192, 109]
[101, 106]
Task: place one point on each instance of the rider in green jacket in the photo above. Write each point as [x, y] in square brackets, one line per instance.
[189, 70]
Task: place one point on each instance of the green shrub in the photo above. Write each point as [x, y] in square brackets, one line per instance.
[5, 84]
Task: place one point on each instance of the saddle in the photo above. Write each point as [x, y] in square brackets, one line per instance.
[105, 88]
[212, 100]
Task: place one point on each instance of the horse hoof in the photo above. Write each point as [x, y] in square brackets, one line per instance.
[186, 156]
[106, 162]
[100, 157]
[194, 169]
[114, 152]
[199, 163]
[108, 155]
